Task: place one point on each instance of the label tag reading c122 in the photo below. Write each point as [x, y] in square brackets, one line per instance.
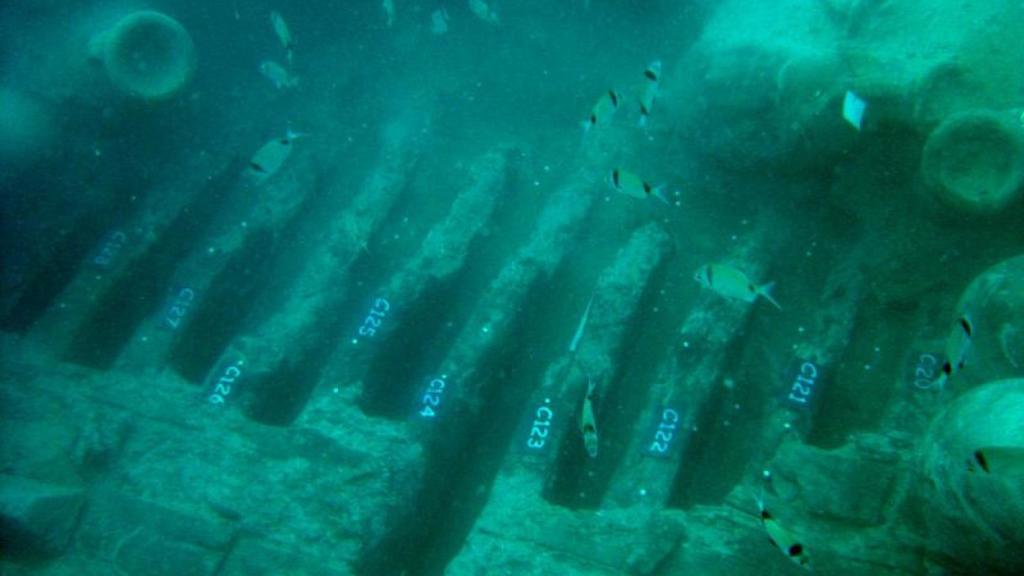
[666, 431]
[804, 384]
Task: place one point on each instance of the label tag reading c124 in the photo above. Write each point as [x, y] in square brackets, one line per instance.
[432, 397]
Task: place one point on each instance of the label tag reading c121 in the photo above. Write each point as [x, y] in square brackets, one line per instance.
[803, 383]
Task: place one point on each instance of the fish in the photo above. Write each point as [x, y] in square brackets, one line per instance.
[632, 185]
[278, 75]
[270, 157]
[439, 21]
[389, 11]
[731, 283]
[854, 108]
[653, 76]
[957, 345]
[283, 33]
[603, 110]
[580, 328]
[998, 460]
[783, 539]
[588, 425]
[483, 11]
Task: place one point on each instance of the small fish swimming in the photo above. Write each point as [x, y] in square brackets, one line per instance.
[957, 345]
[783, 539]
[484, 12]
[588, 425]
[732, 283]
[575, 344]
[270, 157]
[283, 33]
[998, 460]
[853, 110]
[650, 93]
[439, 22]
[632, 185]
[603, 110]
[389, 11]
[278, 75]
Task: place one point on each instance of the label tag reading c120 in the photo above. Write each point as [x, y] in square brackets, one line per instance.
[224, 378]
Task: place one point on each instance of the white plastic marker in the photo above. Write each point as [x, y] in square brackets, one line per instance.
[853, 109]
[580, 328]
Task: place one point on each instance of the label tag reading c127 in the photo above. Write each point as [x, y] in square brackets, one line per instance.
[177, 307]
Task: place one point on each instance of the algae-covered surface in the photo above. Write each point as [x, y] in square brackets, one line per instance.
[407, 287]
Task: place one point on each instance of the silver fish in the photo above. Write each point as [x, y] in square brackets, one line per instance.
[278, 75]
